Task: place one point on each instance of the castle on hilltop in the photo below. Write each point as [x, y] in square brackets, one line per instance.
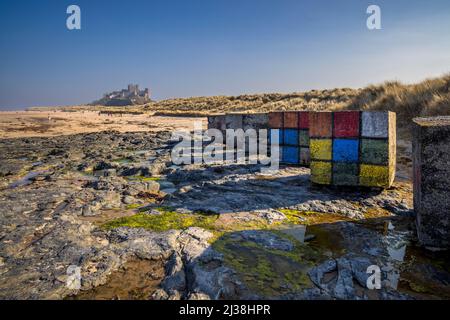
[130, 96]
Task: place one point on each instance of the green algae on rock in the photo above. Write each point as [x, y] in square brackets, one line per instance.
[165, 220]
[268, 272]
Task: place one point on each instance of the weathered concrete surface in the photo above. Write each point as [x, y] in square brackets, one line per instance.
[255, 121]
[217, 122]
[233, 121]
[431, 167]
[320, 125]
[375, 124]
[290, 120]
[346, 124]
[276, 120]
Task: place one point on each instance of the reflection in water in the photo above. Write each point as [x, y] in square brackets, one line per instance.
[295, 231]
[396, 249]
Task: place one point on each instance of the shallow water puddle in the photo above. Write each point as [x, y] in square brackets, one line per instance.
[136, 280]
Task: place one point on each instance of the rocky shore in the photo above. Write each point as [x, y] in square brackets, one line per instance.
[137, 227]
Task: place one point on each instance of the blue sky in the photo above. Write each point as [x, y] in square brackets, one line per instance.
[182, 48]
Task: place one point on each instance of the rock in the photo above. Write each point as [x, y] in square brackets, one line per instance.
[103, 165]
[267, 240]
[159, 294]
[166, 185]
[129, 200]
[316, 274]
[344, 288]
[152, 186]
[175, 277]
[198, 296]
[165, 192]
[91, 209]
[105, 173]
[273, 216]
[134, 188]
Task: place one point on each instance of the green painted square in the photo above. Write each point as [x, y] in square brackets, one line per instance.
[304, 138]
[345, 174]
[374, 151]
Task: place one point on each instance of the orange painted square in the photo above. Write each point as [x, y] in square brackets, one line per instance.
[320, 125]
[290, 120]
[276, 120]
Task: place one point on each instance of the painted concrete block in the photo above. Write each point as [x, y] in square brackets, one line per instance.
[290, 155]
[375, 124]
[280, 135]
[303, 120]
[431, 171]
[345, 150]
[217, 122]
[255, 121]
[233, 121]
[374, 151]
[305, 158]
[373, 175]
[288, 124]
[362, 145]
[321, 172]
[346, 124]
[290, 137]
[291, 134]
[320, 125]
[345, 174]
[276, 120]
[320, 149]
[290, 120]
[303, 138]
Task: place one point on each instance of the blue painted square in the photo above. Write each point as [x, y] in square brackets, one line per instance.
[280, 136]
[345, 150]
[290, 155]
[290, 137]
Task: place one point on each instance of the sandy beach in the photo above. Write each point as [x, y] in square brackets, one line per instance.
[17, 124]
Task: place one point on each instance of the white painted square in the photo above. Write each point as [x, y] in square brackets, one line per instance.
[375, 124]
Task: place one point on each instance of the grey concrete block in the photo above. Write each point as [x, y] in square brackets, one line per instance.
[431, 168]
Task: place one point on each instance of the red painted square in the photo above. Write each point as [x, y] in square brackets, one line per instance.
[276, 120]
[290, 120]
[303, 120]
[346, 124]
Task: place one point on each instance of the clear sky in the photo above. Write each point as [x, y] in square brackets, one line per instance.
[182, 48]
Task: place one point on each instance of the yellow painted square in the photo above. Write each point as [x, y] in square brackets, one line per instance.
[320, 149]
[320, 172]
[374, 176]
